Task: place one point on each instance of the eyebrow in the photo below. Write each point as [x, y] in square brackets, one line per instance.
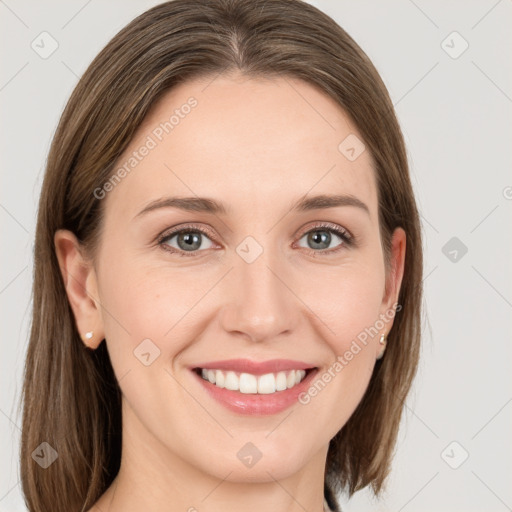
[208, 205]
[324, 201]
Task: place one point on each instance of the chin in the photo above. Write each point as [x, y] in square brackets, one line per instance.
[258, 462]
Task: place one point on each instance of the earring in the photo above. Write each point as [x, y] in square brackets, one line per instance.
[382, 341]
[88, 335]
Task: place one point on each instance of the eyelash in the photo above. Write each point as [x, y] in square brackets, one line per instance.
[348, 239]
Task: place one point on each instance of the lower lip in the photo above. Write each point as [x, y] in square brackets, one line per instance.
[256, 404]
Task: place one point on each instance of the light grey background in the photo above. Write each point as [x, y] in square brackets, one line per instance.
[456, 117]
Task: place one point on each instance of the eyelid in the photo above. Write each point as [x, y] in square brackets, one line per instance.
[331, 226]
[185, 227]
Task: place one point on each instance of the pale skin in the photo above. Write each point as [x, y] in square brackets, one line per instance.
[257, 146]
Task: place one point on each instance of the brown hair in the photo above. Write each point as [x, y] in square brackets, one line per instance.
[71, 398]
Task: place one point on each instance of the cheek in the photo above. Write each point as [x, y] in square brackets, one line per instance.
[346, 300]
[147, 302]
[154, 308]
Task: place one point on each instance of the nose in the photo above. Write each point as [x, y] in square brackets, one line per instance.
[260, 305]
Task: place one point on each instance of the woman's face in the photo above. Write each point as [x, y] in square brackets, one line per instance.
[256, 279]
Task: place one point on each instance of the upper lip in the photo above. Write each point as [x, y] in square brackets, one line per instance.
[255, 367]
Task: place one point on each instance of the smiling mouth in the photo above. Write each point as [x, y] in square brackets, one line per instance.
[248, 383]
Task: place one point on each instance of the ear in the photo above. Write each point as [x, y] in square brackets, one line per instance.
[394, 276]
[81, 287]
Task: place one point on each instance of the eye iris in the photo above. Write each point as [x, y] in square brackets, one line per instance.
[319, 238]
[189, 241]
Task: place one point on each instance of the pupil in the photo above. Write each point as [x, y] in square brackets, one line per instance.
[189, 241]
[319, 238]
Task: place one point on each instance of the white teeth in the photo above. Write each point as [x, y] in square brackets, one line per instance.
[231, 382]
[267, 383]
[290, 380]
[219, 378]
[248, 383]
[281, 381]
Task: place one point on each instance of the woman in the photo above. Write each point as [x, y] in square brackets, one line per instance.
[228, 268]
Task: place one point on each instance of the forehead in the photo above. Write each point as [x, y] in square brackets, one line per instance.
[248, 142]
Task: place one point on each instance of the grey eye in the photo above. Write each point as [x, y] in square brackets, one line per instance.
[188, 240]
[320, 239]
